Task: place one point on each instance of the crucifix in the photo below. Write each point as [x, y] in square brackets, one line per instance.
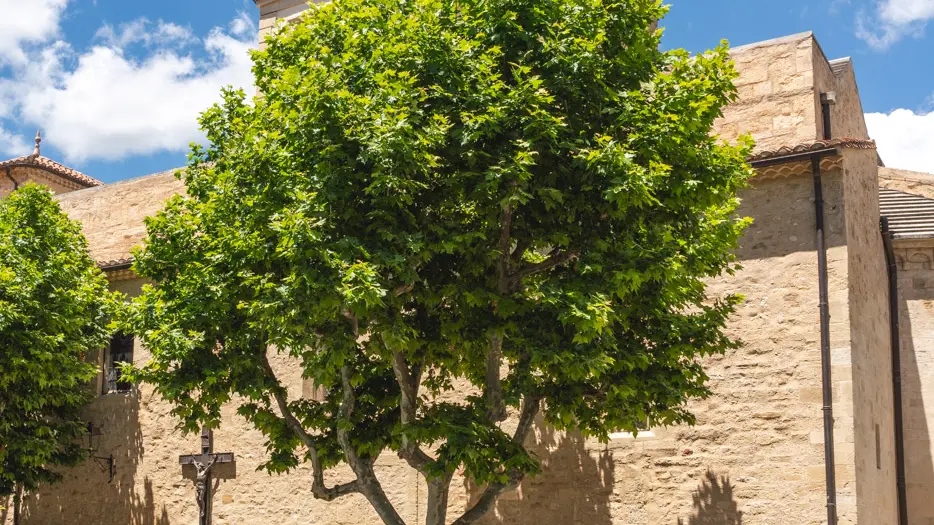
[203, 464]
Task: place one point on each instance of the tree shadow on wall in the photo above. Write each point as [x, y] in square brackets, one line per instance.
[916, 290]
[86, 495]
[714, 503]
[575, 485]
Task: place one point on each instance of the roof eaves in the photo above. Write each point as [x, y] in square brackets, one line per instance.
[49, 165]
[810, 147]
[115, 264]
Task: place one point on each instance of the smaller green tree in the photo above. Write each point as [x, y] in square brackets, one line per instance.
[54, 308]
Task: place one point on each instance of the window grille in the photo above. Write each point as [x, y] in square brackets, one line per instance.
[645, 431]
[121, 351]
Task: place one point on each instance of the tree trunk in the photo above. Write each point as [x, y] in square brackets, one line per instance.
[373, 492]
[438, 490]
[17, 500]
[366, 479]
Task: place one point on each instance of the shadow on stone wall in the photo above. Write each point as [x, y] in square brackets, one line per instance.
[575, 486]
[919, 468]
[714, 503]
[85, 496]
[783, 217]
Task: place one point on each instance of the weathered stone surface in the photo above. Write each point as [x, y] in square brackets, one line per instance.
[112, 215]
[916, 326]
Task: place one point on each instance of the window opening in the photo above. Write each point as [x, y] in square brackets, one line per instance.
[121, 351]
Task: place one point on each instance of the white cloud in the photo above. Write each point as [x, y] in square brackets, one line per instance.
[894, 20]
[27, 22]
[109, 103]
[905, 138]
[907, 11]
[138, 31]
[11, 142]
[242, 26]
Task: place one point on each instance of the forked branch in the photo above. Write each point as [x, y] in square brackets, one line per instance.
[409, 381]
[367, 482]
[530, 409]
[556, 259]
[318, 487]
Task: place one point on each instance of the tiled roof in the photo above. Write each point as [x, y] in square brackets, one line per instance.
[813, 146]
[49, 165]
[910, 215]
[115, 264]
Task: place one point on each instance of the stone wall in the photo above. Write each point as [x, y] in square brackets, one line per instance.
[837, 76]
[779, 86]
[756, 453]
[150, 488]
[916, 323]
[907, 181]
[272, 12]
[112, 215]
[870, 351]
[776, 93]
[847, 117]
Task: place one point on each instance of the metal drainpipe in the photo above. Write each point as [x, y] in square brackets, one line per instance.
[827, 99]
[10, 176]
[894, 333]
[826, 384]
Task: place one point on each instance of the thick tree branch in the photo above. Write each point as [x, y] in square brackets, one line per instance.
[367, 482]
[437, 503]
[503, 246]
[409, 381]
[496, 403]
[530, 409]
[556, 259]
[522, 245]
[318, 487]
[332, 493]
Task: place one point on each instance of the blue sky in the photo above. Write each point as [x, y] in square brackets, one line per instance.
[117, 85]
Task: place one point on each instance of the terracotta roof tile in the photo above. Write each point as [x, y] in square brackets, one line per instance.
[814, 146]
[115, 264]
[49, 165]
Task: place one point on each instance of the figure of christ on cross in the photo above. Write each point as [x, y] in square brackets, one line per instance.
[203, 464]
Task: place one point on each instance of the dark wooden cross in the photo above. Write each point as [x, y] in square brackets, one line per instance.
[203, 464]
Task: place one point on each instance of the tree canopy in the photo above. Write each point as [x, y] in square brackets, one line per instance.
[55, 308]
[449, 213]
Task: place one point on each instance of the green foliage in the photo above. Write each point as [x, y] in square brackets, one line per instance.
[54, 309]
[424, 182]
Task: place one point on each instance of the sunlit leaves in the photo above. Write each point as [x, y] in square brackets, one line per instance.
[354, 211]
[54, 314]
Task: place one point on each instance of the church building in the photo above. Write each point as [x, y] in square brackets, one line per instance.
[825, 414]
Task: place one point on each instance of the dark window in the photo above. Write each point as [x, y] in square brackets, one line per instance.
[878, 449]
[120, 351]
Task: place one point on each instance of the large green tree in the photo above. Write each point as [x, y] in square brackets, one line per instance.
[448, 213]
[54, 310]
